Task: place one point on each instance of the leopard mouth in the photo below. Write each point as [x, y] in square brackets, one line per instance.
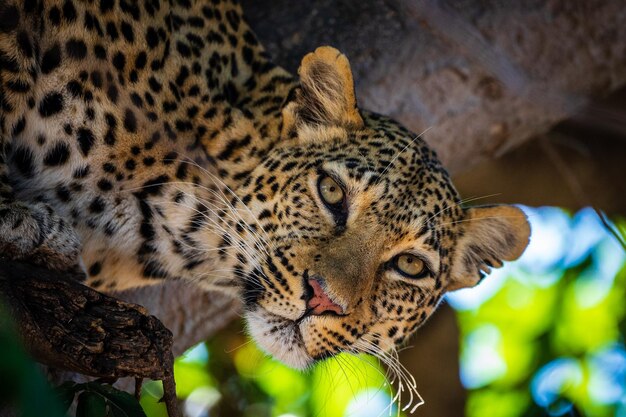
[279, 337]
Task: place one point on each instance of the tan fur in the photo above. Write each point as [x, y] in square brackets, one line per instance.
[326, 96]
[491, 235]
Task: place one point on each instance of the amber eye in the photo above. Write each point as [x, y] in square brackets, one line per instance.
[410, 265]
[330, 191]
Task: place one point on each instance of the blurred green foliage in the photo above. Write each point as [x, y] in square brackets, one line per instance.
[20, 380]
[550, 340]
[229, 376]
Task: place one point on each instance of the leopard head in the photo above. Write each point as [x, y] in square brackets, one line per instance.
[362, 230]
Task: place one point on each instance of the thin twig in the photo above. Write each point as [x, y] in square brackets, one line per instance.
[610, 228]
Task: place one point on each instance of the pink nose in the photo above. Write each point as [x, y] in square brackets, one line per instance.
[320, 302]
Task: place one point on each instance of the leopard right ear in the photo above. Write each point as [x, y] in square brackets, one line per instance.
[325, 98]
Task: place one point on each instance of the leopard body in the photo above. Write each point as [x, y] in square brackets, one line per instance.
[156, 140]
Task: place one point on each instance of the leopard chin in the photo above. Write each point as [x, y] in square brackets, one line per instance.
[279, 337]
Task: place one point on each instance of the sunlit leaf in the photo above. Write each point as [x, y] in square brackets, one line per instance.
[339, 380]
[496, 403]
[151, 393]
[189, 376]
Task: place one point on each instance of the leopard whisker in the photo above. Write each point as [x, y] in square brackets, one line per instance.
[233, 216]
[241, 243]
[217, 179]
[390, 357]
[459, 203]
[402, 151]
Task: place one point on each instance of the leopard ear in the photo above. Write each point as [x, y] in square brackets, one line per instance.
[325, 97]
[490, 235]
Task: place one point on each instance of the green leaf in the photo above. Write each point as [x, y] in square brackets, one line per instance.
[65, 393]
[91, 404]
[121, 404]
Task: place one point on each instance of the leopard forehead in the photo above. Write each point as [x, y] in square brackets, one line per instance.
[383, 164]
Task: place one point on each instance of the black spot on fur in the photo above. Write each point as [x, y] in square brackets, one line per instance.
[9, 18]
[119, 61]
[69, 11]
[100, 52]
[153, 269]
[112, 31]
[96, 79]
[127, 32]
[105, 185]
[85, 140]
[95, 269]
[97, 205]
[63, 193]
[112, 93]
[23, 160]
[74, 88]
[58, 155]
[106, 5]
[154, 186]
[55, 16]
[23, 42]
[76, 49]
[152, 38]
[51, 104]
[130, 122]
[19, 127]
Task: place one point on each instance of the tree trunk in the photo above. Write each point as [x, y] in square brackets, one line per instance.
[482, 76]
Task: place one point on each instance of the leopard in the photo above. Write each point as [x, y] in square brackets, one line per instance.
[149, 141]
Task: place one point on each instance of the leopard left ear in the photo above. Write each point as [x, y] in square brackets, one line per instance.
[490, 235]
[325, 97]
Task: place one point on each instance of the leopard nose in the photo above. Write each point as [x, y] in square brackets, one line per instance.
[320, 302]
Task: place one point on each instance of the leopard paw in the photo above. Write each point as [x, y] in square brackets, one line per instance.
[35, 233]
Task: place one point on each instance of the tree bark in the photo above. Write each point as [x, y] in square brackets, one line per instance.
[482, 77]
[71, 327]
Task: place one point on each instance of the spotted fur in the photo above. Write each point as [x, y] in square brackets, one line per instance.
[155, 140]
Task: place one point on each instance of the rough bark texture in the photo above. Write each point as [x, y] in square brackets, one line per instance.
[484, 76]
[190, 313]
[71, 327]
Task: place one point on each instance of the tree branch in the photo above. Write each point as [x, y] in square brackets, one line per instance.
[69, 326]
[485, 76]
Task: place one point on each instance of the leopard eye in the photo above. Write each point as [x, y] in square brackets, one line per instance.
[330, 192]
[410, 265]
